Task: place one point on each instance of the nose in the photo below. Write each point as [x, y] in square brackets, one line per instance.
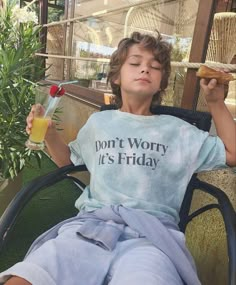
[145, 69]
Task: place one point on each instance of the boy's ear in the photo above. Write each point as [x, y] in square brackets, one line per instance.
[117, 80]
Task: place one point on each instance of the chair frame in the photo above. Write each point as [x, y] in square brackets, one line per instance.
[202, 120]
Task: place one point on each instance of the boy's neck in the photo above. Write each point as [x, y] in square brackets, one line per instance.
[136, 105]
[142, 109]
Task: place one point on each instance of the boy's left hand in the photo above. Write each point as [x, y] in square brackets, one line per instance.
[213, 91]
[224, 122]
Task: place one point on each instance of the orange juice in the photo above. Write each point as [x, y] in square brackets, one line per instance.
[107, 98]
[39, 129]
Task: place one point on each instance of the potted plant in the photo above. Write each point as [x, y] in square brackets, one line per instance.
[19, 69]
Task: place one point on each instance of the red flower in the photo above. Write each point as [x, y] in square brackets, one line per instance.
[56, 91]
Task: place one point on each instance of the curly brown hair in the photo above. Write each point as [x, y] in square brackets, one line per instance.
[161, 50]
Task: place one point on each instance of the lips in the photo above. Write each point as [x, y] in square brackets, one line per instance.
[143, 80]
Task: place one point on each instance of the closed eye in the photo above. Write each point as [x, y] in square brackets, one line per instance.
[156, 68]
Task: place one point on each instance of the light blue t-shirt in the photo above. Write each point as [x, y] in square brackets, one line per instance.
[142, 162]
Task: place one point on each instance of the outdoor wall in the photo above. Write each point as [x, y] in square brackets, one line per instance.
[74, 115]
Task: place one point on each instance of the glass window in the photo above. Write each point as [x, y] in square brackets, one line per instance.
[56, 10]
[86, 43]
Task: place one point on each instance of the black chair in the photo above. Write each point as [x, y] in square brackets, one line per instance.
[202, 120]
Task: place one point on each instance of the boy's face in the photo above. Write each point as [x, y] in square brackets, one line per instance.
[140, 74]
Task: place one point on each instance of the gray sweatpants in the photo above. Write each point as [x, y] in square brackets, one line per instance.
[69, 259]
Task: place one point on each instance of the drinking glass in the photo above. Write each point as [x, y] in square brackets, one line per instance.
[46, 103]
[44, 110]
[108, 98]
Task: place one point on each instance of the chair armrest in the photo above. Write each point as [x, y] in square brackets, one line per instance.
[229, 216]
[17, 204]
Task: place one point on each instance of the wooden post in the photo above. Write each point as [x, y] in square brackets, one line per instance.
[70, 40]
[43, 19]
[198, 51]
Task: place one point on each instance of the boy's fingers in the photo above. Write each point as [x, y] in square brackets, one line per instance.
[28, 130]
[212, 84]
[203, 82]
[29, 119]
[37, 109]
[226, 70]
[33, 109]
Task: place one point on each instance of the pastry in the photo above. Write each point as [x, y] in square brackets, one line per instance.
[221, 77]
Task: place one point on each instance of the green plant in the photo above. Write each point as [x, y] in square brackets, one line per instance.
[19, 68]
[179, 50]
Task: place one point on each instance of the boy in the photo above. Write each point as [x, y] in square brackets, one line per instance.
[126, 231]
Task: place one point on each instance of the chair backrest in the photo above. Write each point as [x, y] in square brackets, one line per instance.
[201, 120]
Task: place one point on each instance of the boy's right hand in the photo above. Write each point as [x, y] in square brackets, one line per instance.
[36, 109]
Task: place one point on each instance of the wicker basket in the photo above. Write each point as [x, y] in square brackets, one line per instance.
[222, 44]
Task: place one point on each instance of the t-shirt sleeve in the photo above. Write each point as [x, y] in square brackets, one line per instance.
[211, 155]
[75, 156]
[80, 146]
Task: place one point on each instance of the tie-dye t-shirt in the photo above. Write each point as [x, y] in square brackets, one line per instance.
[142, 162]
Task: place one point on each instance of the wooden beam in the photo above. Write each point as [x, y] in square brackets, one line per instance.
[204, 20]
[43, 18]
[70, 40]
[225, 5]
